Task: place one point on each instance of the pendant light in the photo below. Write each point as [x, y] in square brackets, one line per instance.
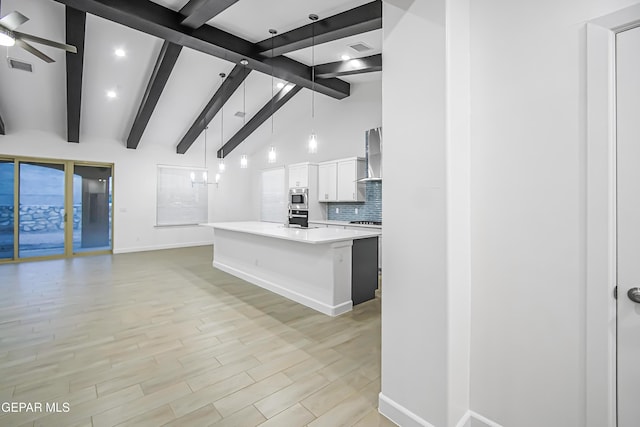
[313, 138]
[272, 150]
[244, 161]
[204, 174]
[221, 165]
[205, 179]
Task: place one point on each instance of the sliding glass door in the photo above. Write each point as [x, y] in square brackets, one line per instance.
[42, 216]
[91, 208]
[54, 208]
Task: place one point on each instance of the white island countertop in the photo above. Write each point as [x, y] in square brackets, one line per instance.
[321, 235]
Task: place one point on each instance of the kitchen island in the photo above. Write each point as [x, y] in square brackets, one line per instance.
[326, 269]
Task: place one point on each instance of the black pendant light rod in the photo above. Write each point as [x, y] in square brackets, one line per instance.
[313, 18]
[244, 63]
[221, 151]
[273, 33]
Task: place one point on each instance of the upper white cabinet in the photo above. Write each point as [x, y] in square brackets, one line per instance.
[349, 171]
[327, 184]
[300, 173]
[337, 180]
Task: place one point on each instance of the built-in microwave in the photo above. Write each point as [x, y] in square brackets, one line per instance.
[299, 198]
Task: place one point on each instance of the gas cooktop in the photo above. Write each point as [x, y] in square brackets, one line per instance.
[366, 222]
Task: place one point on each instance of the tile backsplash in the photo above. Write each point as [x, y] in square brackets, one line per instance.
[369, 210]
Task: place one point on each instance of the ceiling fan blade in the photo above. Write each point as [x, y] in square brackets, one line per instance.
[13, 20]
[45, 42]
[26, 46]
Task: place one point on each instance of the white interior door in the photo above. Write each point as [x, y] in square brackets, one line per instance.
[628, 227]
[273, 198]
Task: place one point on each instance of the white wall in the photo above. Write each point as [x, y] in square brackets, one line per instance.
[414, 305]
[528, 163]
[135, 185]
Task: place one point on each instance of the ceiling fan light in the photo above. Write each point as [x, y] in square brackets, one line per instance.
[7, 38]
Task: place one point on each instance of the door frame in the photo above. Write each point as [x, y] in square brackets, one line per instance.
[600, 256]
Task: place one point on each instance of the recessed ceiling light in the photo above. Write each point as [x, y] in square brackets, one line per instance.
[346, 57]
[280, 85]
[120, 53]
[112, 94]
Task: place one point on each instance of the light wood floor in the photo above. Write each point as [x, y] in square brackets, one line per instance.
[163, 338]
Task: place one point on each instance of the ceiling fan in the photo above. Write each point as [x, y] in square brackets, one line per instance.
[9, 37]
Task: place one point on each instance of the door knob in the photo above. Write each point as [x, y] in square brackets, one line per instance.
[634, 294]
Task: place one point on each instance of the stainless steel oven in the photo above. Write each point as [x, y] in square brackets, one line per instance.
[299, 198]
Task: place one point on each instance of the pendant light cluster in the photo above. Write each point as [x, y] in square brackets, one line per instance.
[244, 160]
[312, 146]
[272, 155]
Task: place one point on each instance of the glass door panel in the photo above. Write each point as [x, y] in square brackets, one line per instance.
[41, 230]
[92, 210]
[6, 208]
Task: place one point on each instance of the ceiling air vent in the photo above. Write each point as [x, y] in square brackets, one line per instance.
[360, 47]
[20, 65]
[239, 114]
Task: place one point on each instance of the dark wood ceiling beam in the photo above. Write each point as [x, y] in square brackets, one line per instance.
[280, 98]
[222, 95]
[75, 23]
[2, 129]
[367, 17]
[367, 64]
[164, 23]
[199, 12]
[164, 65]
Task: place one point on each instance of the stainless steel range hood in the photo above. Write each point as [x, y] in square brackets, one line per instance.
[373, 153]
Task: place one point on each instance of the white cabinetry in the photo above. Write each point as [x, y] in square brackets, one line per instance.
[299, 174]
[338, 180]
[349, 171]
[327, 185]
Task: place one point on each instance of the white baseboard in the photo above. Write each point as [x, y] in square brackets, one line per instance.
[399, 414]
[160, 247]
[331, 310]
[473, 419]
[405, 418]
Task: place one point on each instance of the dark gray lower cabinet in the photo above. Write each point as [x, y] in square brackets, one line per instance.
[364, 270]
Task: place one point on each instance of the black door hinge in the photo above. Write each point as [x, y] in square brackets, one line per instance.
[615, 292]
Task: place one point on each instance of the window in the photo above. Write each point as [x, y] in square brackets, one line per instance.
[182, 196]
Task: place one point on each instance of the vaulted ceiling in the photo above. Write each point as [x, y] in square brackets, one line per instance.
[168, 85]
